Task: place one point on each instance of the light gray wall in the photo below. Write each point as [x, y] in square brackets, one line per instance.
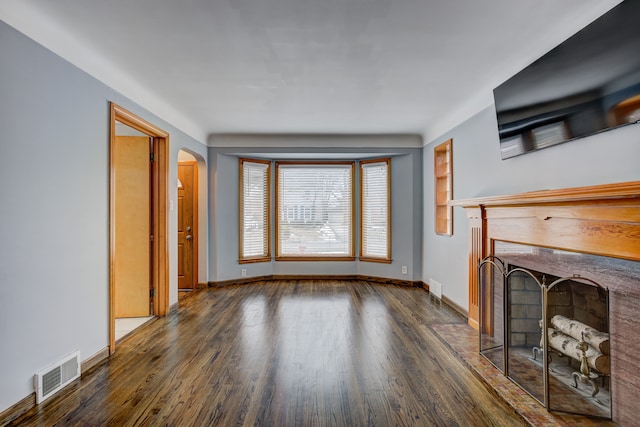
[406, 166]
[54, 259]
[608, 157]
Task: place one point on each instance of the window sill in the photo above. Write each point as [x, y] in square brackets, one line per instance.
[316, 258]
[254, 260]
[378, 260]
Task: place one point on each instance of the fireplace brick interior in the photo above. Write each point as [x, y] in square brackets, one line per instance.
[526, 311]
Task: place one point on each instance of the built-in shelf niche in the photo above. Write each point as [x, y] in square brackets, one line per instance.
[443, 174]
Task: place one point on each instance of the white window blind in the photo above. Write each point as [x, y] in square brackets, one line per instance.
[315, 210]
[375, 205]
[254, 209]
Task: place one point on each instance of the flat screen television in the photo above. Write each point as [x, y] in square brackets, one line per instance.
[588, 84]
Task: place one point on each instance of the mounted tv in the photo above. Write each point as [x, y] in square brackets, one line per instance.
[590, 83]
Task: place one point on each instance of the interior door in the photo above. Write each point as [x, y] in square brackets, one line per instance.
[132, 168]
[186, 225]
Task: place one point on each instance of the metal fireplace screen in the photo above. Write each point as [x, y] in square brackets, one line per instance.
[566, 369]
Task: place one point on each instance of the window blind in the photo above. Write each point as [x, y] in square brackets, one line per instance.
[254, 209]
[375, 205]
[314, 210]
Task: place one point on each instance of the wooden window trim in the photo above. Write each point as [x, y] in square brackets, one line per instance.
[387, 259]
[267, 257]
[279, 257]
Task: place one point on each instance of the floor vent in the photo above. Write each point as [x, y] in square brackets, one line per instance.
[48, 381]
[435, 288]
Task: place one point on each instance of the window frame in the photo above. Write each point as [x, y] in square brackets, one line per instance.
[387, 259]
[267, 220]
[278, 256]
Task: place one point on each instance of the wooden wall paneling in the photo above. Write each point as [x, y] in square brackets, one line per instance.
[476, 253]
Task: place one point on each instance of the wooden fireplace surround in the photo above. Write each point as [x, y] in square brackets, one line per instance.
[600, 220]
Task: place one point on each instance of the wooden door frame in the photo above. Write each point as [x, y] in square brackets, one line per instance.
[159, 213]
[195, 227]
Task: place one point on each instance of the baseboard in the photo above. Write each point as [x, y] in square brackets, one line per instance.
[17, 410]
[94, 360]
[448, 302]
[350, 277]
[346, 277]
[381, 280]
[241, 281]
[456, 307]
[387, 281]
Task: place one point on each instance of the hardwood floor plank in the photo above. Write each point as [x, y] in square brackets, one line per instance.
[284, 353]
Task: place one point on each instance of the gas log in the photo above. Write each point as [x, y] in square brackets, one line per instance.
[569, 347]
[575, 329]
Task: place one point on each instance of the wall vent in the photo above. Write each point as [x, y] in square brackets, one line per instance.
[435, 288]
[48, 381]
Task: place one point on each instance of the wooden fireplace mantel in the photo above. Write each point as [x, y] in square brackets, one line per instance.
[601, 220]
[624, 190]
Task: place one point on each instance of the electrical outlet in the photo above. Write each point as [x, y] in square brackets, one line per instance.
[404, 270]
[243, 272]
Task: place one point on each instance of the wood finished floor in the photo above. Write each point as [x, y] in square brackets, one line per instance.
[284, 353]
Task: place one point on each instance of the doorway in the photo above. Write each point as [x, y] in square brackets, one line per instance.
[187, 221]
[138, 255]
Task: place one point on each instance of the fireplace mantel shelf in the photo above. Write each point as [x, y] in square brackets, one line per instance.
[625, 190]
[599, 220]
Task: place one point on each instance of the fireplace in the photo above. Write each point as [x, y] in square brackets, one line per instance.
[532, 289]
[567, 256]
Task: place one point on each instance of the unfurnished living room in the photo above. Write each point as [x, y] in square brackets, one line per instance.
[319, 212]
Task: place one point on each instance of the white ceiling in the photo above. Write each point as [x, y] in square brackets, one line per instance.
[303, 66]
